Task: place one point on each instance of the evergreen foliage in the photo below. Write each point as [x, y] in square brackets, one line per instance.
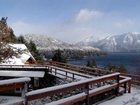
[31, 47]
[91, 63]
[122, 69]
[116, 68]
[21, 39]
[59, 57]
[12, 36]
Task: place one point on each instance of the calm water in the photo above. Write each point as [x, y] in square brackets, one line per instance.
[130, 60]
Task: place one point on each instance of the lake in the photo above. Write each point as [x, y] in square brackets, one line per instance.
[131, 61]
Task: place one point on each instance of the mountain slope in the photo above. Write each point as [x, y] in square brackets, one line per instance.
[44, 42]
[128, 42]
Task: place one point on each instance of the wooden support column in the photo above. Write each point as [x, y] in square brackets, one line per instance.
[129, 86]
[87, 94]
[66, 74]
[50, 70]
[26, 101]
[24, 89]
[73, 76]
[125, 87]
[117, 89]
[55, 71]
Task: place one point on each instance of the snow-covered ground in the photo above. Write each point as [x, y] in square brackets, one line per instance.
[8, 100]
[126, 99]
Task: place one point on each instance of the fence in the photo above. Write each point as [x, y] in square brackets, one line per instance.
[104, 84]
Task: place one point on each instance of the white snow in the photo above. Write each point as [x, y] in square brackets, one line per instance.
[11, 81]
[50, 44]
[69, 99]
[21, 58]
[39, 91]
[7, 73]
[74, 97]
[132, 98]
[10, 100]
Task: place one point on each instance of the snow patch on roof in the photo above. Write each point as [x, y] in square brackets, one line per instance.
[21, 58]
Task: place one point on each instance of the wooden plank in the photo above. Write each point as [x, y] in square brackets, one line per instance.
[53, 92]
[11, 86]
[69, 100]
[102, 90]
[62, 90]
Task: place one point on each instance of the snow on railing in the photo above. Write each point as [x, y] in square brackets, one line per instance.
[83, 84]
[14, 81]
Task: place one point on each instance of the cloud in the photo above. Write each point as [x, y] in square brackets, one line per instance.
[68, 32]
[21, 27]
[85, 15]
[125, 23]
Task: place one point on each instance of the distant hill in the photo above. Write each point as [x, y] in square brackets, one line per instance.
[44, 42]
[127, 42]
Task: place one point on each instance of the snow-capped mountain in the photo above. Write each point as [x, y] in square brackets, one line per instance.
[44, 42]
[89, 41]
[128, 42]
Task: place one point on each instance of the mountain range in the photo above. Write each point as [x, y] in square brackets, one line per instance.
[127, 42]
[43, 42]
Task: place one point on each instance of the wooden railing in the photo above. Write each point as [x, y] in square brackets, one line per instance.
[23, 67]
[81, 69]
[66, 73]
[92, 71]
[135, 78]
[85, 87]
[12, 84]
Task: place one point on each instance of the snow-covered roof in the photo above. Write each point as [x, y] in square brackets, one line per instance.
[21, 58]
[6, 73]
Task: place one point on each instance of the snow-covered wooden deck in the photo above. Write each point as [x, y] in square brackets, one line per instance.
[92, 83]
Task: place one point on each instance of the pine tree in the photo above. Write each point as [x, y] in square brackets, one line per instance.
[122, 69]
[21, 39]
[88, 64]
[59, 57]
[91, 63]
[32, 48]
[111, 67]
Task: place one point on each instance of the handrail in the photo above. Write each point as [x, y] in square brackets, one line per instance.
[93, 71]
[84, 95]
[83, 84]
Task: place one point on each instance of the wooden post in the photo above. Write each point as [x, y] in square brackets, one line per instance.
[87, 92]
[129, 86]
[125, 87]
[117, 89]
[66, 74]
[26, 101]
[50, 70]
[24, 89]
[55, 71]
[73, 76]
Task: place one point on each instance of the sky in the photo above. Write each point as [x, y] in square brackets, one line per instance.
[72, 20]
